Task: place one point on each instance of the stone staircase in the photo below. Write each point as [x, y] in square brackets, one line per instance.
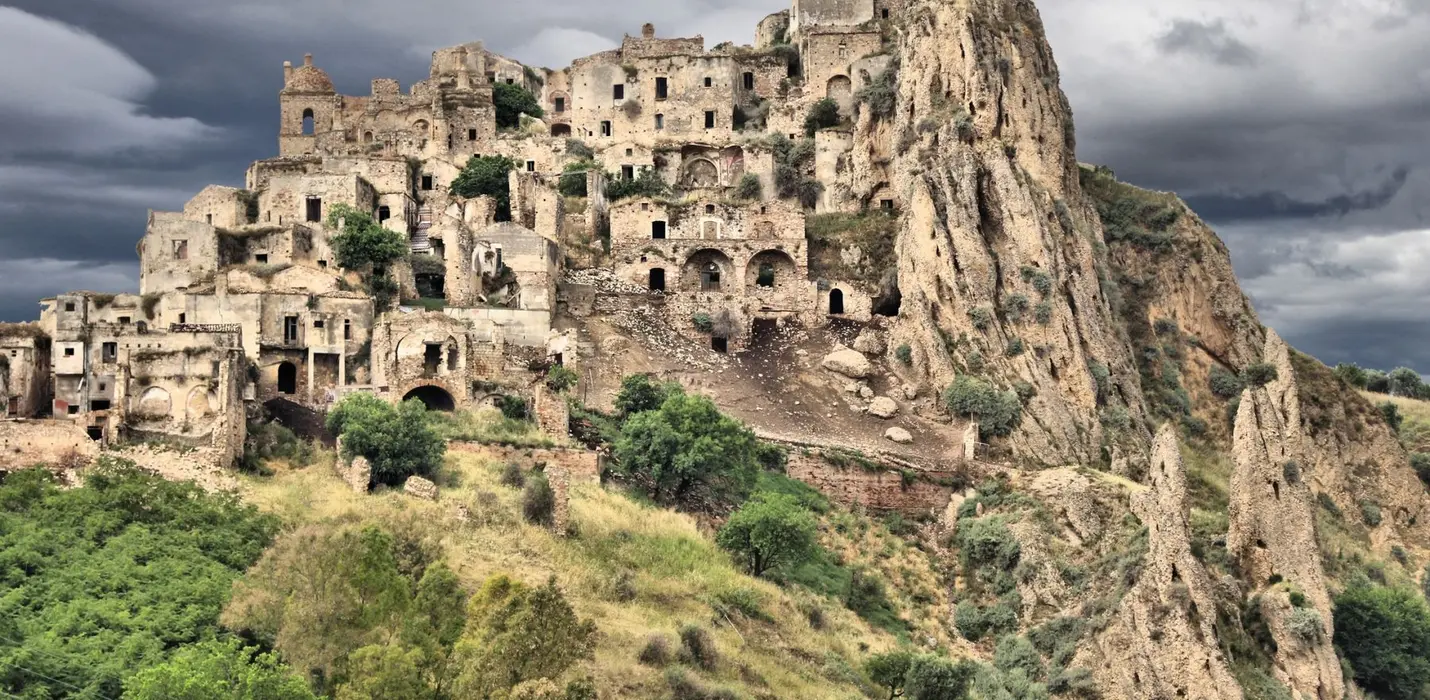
[419, 241]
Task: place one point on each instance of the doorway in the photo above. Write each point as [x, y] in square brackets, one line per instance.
[287, 378]
[836, 301]
[657, 279]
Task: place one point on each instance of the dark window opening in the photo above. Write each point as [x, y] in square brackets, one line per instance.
[511, 81]
[323, 264]
[884, 13]
[708, 82]
[73, 410]
[710, 278]
[709, 208]
[710, 120]
[209, 218]
[605, 128]
[491, 76]
[628, 172]
[99, 405]
[183, 318]
[347, 330]
[287, 378]
[836, 301]
[719, 344]
[315, 209]
[69, 352]
[659, 121]
[766, 278]
[95, 432]
[384, 213]
[308, 122]
[662, 88]
[471, 134]
[431, 359]
[618, 92]
[110, 352]
[657, 279]
[749, 81]
[290, 329]
[261, 258]
[318, 324]
[69, 306]
[123, 320]
[426, 183]
[657, 229]
[433, 398]
[560, 104]
[886, 204]
[531, 166]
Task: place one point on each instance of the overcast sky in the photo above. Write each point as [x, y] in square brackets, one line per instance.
[1299, 128]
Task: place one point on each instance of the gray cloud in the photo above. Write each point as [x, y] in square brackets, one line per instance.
[1208, 39]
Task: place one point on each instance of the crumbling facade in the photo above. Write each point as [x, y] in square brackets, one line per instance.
[243, 296]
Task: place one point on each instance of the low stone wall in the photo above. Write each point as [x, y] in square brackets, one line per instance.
[883, 490]
[583, 466]
[204, 466]
[58, 443]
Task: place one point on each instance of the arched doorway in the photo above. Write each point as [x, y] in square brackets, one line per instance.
[705, 271]
[840, 89]
[434, 398]
[308, 122]
[770, 269]
[836, 301]
[287, 378]
[560, 129]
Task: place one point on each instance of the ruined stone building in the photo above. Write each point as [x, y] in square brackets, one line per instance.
[242, 297]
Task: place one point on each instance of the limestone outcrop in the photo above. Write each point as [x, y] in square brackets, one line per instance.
[997, 261]
[1161, 642]
[1272, 535]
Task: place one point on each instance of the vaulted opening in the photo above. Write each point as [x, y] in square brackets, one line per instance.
[434, 398]
[287, 378]
[308, 122]
[836, 301]
[657, 279]
[657, 230]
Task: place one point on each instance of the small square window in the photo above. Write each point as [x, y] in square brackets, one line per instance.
[511, 81]
[69, 306]
[73, 410]
[103, 387]
[709, 208]
[323, 264]
[123, 320]
[645, 206]
[261, 258]
[886, 204]
[318, 324]
[426, 182]
[630, 152]
[709, 82]
[69, 352]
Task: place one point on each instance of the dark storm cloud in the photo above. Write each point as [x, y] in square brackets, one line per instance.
[1209, 39]
[1278, 205]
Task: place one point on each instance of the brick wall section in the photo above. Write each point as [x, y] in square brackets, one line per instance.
[882, 491]
[552, 413]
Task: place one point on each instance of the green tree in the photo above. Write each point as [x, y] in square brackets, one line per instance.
[1259, 374]
[997, 412]
[363, 244]
[768, 531]
[573, 178]
[1391, 413]
[512, 101]
[822, 115]
[218, 670]
[1352, 374]
[647, 183]
[515, 634]
[749, 187]
[1377, 381]
[640, 392]
[889, 670]
[688, 447]
[560, 378]
[397, 440]
[1406, 382]
[1384, 633]
[107, 579]
[487, 176]
[385, 672]
[934, 678]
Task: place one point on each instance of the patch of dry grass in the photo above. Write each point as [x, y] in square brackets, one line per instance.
[634, 569]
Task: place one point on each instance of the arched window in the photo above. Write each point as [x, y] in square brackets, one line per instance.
[367, 137]
[287, 378]
[836, 301]
[308, 122]
[766, 278]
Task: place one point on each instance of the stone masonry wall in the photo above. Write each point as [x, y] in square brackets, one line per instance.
[875, 490]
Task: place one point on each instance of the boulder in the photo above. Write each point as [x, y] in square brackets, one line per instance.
[358, 474]
[421, 488]
[911, 392]
[869, 342]
[849, 363]
[883, 407]
[899, 435]
[865, 392]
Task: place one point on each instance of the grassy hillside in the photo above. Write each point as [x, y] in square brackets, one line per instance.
[638, 571]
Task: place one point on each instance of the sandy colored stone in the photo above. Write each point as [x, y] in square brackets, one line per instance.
[847, 362]
[420, 487]
[899, 435]
[883, 407]
[869, 342]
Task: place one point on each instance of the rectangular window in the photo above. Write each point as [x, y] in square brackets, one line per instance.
[69, 306]
[323, 264]
[110, 351]
[886, 204]
[662, 88]
[317, 324]
[315, 209]
[628, 172]
[471, 134]
[209, 218]
[426, 182]
[710, 120]
[347, 329]
[708, 82]
[560, 104]
[511, 81]
[123, 320]
[531, 166]
[749, 81]
[659, 121]
[605, 128]
[618, 92]
[261, 258]
[69, 352]
[181, 250]
[290, 329]
[182, 318]
[657, 230]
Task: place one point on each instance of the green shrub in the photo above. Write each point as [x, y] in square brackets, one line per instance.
[656, 652]
[1377, 381]
[997, 412]
[362, 242]
[1043, 313]
[1420, 462]
[538, 501]
[882, 93]
[933, 677]
[974, 622]
[647, 183]
[889, 670]
[1015, 306]
[982, 317]
[243, 672]
[512, 101]
[1305, 624]
[702, 322]
[1259, 374]
[1351, 374]
[904, 354]
[398, 441]
[1371, 512]
[697, 647]
[573, 178]
[486, 176]
[1015, 652]
[822, 115]
[1015, 348]
[1391, 413]
[561, 378]
[512, 407]
[1384, 633]
[749, 187]
[513, 476]
[1224, 384]
[1328, 503]
[768, 531]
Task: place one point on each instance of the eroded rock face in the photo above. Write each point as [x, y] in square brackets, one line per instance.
[1272, 533]
[996, 246]
[1161, 642]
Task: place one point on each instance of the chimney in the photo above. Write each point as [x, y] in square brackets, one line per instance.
[648, 31]
[287, 72]
[308, 59]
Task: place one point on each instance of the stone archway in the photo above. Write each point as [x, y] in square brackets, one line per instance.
[770, 269]
[840, 89]
[701, 172]
[433, 397]
[836, 302]
[287, 378]
[707, 270]
[561, 130]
